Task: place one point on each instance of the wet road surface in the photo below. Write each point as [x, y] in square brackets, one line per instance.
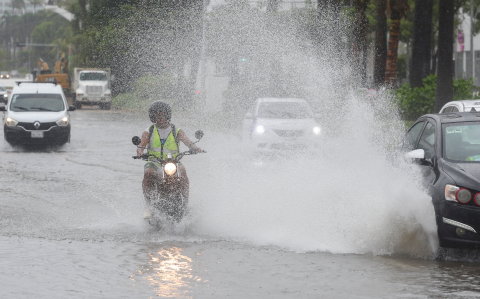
[70, 225]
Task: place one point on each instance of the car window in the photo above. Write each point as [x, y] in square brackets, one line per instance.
[446, 110]
[454, 109]
[284, 110]
[36, 102]
[412, 135]
[462, 142]
[427, 141]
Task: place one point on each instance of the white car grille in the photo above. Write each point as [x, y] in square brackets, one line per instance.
[289, 133]
[94, 90]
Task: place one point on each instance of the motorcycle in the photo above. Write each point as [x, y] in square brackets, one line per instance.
[169, 200]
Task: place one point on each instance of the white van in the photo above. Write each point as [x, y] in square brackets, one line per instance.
[37, 113]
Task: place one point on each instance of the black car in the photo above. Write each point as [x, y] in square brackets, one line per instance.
[447, 146]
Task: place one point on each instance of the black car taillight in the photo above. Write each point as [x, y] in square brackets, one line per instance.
[463, 196]
[476, 199]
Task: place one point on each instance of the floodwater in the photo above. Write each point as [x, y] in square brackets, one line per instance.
[331, 225]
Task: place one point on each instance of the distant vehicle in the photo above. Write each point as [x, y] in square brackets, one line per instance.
[274, 124]
[447, 149]
[37, 113]
[92, 87]
[29, 77]
[14, 74]
[3, 94]
[4, 75]
[461, 106]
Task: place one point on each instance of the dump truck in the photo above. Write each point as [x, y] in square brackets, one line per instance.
[87, 86]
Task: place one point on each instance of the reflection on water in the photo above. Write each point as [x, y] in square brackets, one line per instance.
[168, 272]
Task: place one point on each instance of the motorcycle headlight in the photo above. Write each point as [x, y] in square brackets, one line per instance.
[260, 129]
[170, 168]
[62, 122]
[316, 130]
[11, 122]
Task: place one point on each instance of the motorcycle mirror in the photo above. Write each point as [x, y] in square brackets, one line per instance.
[136, 140]
[199, 134]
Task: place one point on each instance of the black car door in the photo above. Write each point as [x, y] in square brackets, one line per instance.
[427, 142]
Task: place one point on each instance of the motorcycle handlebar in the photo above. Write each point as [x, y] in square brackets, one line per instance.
[189, 152]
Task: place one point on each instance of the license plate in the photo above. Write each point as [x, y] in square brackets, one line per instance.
[36, 134]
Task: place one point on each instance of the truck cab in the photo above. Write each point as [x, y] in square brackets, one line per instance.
[92, 87]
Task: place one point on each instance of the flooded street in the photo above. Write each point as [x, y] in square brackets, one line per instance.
[71, 224]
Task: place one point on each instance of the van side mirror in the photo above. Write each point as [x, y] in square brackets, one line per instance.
[199, 134]
[72, 108]
[136, 140]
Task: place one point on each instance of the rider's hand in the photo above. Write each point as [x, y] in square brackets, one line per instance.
[139, 152]
[195, 149]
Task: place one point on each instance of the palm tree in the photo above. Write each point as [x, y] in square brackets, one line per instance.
[422, 36]
[398, 10]
[359, 38]
[35, 3]
[444, 91]
[380, 43]
[19, 4]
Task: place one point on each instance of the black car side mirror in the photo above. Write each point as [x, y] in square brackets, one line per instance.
[199, 134]
[72, 108]
[136, 140]
[425, 162]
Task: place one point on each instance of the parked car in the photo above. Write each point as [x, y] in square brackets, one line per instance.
[4, 75]
[14, 74]
[3, 94]
[37, 113]
[447, 148]
[274, 124]
[461, 106]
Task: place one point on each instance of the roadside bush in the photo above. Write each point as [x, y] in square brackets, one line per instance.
[414, 102]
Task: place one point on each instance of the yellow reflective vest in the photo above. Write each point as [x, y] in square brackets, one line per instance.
[169, 146]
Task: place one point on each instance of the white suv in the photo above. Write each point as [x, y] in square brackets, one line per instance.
[37, 113]
[461, 106]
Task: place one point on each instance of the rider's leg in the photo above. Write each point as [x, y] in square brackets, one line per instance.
[184, 183]
[148, 184]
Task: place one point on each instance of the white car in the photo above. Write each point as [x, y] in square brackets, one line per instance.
[37, 113]
[461, 106]
[275, 124]
[3, 94]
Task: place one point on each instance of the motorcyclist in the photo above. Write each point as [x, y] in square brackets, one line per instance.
[162, 132]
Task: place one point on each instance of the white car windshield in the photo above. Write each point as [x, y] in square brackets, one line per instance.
[36, 102]
[284, 110]
[93, 77]
[462, 142]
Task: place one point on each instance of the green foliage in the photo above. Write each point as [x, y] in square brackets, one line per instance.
[419, 101]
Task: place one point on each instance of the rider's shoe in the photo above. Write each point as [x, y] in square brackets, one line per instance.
[147, 214]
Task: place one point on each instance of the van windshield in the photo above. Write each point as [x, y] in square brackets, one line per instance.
[37, 102]
[462, 142]
[93, 77]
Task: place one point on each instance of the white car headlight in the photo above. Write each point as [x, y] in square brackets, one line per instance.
[317, 130]
[11, 122]
[170, 168]
[260, 129]
[62, 122]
